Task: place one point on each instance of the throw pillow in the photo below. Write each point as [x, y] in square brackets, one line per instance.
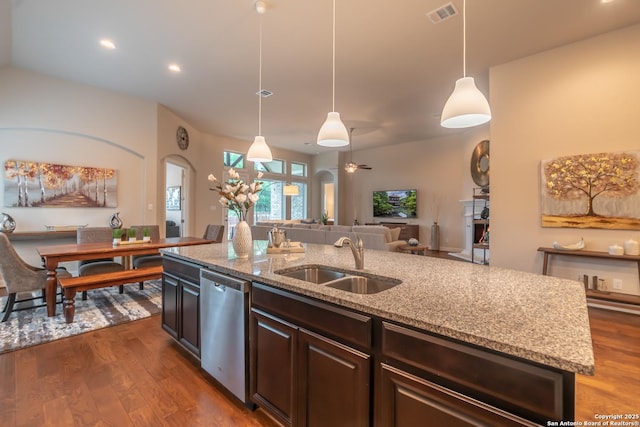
[395, 233]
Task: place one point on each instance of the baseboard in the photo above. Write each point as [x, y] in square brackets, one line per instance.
[614, 306]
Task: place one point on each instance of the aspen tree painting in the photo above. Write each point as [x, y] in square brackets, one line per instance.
[599, 190]
[39, 184]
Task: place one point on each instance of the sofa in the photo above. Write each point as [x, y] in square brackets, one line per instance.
[376, 237]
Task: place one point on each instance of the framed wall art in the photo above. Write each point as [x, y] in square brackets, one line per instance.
[173, 198]
[600, 190]
[32, 184]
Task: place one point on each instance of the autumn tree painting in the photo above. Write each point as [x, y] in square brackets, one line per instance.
[592, 191]
[39, 184]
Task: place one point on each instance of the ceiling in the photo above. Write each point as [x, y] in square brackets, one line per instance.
[394, 67]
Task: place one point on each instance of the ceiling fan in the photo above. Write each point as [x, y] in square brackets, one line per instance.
[350, 166]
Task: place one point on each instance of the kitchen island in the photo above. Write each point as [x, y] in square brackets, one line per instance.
[494, 339]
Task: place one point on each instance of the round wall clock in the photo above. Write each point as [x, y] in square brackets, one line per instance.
[182, 137]
[480, 164]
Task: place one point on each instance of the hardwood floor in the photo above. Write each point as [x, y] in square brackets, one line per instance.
[135, 375]
[615, 387]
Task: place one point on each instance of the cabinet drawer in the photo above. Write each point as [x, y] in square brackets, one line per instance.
[334, 322]
[404, 400]
[183, 270]
[522, 388]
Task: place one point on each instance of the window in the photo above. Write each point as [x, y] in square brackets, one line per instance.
[299, 203]
[270, 204]
[298, 169]
[234, 160]
[274, 166]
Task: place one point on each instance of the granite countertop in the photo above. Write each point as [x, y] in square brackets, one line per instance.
[538, 318]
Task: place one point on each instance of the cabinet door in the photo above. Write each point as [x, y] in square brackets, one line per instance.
[333, 381]
[189, 321]
[403, 400]
[273, 345]
[170, 305]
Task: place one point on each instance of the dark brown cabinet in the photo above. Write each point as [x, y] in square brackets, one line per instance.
[404, 398]
[512, 390]
[333, 383]
[303, 378]
[273, 348]
[181, 303]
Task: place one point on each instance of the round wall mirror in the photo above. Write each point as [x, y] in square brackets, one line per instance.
[480, 164]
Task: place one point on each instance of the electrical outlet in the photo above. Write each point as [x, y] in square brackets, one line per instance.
[617, 284]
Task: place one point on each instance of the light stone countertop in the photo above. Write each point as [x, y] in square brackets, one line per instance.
[538, 318]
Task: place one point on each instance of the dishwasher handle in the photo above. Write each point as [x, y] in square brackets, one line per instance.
[222, 281]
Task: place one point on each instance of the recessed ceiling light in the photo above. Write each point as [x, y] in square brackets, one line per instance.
[606, 1]
[107, 44]
[175, 68]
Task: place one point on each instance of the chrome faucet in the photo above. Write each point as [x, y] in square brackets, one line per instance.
[357, 249]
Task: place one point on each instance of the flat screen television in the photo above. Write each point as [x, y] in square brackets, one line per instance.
[395, 204]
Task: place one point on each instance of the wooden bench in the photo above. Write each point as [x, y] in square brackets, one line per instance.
[72, 285]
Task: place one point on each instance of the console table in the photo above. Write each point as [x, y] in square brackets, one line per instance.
[41, 235]
[611, 296]
[407, 231]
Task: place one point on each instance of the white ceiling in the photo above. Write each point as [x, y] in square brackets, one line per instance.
[394, 68]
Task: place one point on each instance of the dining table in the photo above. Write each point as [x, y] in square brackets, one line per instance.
[53, 255]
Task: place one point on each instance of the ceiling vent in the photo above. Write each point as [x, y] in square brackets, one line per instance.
[264, 93]
[442, 13]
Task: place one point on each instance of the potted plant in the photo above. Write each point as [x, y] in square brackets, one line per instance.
[324, 218]
[146, 234]
[132, 234]
[117, 236]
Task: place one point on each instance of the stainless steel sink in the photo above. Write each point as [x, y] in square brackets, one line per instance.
[354, 282]
[363, 285]
[313, 274]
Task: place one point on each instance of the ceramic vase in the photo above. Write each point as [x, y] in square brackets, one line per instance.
[7, 224]
[115, 221]
[242, 241]
[435, 237]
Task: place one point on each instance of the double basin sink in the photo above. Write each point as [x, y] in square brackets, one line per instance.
[354, 282]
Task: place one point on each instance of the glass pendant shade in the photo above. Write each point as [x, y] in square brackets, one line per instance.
[350, 167]
[259, 151]
[466, 106]
[333, 132]
[290, 190]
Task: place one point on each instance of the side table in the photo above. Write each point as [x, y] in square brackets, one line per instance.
[418, 249]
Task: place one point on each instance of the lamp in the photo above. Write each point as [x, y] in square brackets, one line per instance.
[350, 167]
[466, 106]
[333, 132]
[259, 150]
[291, 190]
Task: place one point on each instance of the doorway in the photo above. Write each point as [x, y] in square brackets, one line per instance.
[177, 195]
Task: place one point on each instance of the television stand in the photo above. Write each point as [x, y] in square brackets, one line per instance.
[407, 231]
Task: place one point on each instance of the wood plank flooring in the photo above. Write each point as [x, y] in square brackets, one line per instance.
[135, 375]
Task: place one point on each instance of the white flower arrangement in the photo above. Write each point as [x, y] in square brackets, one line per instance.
[235, 194]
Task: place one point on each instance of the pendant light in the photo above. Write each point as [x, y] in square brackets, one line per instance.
[291, 190]
[259, 150]
[466, 106]
[350, 167]
[333, 132]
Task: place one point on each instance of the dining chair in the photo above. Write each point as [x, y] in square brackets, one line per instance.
[214, 232]
[97, 266]
[20, 278]
[140, 261]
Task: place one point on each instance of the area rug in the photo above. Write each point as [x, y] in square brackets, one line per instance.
[104, 307]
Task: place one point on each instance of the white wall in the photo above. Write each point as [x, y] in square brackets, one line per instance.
[578, 99]
[204, 156]
[48, 119]
[438, 168]
[51, 120]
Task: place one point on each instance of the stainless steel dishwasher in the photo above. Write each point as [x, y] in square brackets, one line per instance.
[224, 323]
